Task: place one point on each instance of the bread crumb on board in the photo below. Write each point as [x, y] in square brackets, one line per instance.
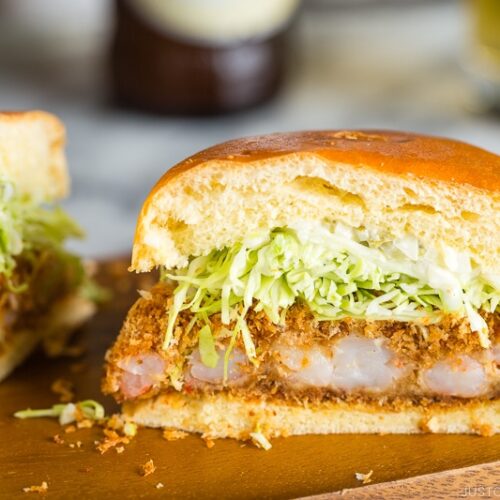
[209, 442]
[259, 439]
[148, 468]
[485, 430]
[86, 423]
[57, 439]
[43, 488]
[117, 433]
[174, 434]
[364, 478]
[129, 429]
[111, 440]
[159, 486]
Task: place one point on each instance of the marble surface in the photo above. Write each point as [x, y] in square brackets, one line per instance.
[389, 67]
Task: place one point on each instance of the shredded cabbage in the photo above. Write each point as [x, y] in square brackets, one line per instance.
[337, 273]
[208, 354]
[67, 413]
[27, 227]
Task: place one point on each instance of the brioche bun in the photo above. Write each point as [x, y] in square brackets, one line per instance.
[32, 154]
[393, 183]
[221, 415]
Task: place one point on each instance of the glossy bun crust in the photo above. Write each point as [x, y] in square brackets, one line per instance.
[399, 153]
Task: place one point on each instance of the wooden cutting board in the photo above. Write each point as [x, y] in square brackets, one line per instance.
[294, 467]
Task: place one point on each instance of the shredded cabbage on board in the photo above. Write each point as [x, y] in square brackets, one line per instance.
[334, 271]
[66, 413]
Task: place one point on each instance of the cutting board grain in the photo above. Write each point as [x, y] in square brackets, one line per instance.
[294, 467]
[469, 482]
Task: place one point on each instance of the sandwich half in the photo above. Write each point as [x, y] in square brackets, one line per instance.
[43, 288]
[318, 282]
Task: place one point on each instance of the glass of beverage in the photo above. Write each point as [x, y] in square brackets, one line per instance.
[484, 53]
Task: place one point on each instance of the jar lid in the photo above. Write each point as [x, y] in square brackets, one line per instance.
[216, 22]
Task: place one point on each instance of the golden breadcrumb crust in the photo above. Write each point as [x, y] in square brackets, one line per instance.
[145, 325]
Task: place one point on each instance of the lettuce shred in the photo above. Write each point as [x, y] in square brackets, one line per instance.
[67, 413]
[337, 273]
[26, 228]
[208, 353]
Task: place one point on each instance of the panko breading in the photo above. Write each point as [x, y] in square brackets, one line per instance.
[416, 345]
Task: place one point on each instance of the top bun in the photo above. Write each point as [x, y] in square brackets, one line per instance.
[392, 183]
[32, 154]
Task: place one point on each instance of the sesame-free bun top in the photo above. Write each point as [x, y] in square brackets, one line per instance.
[32, 154]
[391, 183]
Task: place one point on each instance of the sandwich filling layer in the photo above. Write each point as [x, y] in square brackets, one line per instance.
[318, 312]
[319, 360]
[35, 269]
[337, 272]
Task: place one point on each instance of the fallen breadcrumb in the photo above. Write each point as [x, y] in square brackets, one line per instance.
[85, 424]
[117, 432]
[209, 442]
[57, 439]
[174, 435]
[118, 423]
[64, 389]
[43, 488]
[130, 429]
[259, 439]
[485, 430]
[147, 468]
[364, 478]
[111, 439]
[115, 422]
[70, 429]
[159, 486]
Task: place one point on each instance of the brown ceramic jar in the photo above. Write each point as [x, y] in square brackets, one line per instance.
[199, 56]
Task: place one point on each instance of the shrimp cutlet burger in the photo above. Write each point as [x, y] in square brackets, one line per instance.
[318, 282]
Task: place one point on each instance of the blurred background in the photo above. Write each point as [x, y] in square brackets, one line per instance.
[141, 84]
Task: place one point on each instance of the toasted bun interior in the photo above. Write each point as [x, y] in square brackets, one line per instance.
[222, 416]
[392, 183]
[32, 154]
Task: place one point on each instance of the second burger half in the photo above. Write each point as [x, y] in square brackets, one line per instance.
[45, 290]
[318, 282]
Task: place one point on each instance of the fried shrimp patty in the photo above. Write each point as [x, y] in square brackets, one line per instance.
[36, 283]
[305, 357]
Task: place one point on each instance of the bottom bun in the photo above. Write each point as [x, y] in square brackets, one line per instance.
[53, 330]
[223, 415]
